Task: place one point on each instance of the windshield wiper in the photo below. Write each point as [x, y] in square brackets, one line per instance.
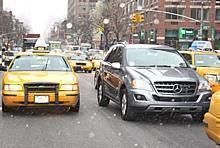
[44, 69]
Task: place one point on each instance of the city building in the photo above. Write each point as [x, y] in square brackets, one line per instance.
[161, 27]
[78, 9]
[1, 6]
[79, 12]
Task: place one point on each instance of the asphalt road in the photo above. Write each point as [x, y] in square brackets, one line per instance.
[95, 127]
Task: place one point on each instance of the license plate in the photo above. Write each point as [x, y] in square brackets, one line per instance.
[41, 99]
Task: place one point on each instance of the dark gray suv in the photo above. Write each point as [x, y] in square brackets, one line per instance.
[151, 78]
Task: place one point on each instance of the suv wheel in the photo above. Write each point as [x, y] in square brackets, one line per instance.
[126, 112]
[5, 108]
[102, 99]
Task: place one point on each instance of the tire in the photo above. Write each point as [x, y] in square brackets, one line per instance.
[5, 108]
[76, 108]
[102, 99]
[126, 111]
[90, 71]
[198, 116]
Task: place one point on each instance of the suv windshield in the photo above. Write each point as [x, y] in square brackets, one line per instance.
[39, 63]
[143, 57]
[207, 60]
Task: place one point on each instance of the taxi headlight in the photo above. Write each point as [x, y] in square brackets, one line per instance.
[89, 64]
[68, 87]
[211, 78]
[204, 86]
[141, 84]
[12, 87]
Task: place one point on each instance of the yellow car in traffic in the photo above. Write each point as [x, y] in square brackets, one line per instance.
[40, 80]
[212, 118]
[80, 62]
[96, 61]
[207, 64]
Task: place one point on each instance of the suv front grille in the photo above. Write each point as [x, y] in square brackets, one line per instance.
[180, 88]
[176, 99]
[41, 88]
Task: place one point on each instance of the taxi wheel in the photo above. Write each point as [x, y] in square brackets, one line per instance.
[90, 71]
[126, 112]
[5, 108]
[102, 99]
[76, 108]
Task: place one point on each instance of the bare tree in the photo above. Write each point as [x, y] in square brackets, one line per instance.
[110, 10]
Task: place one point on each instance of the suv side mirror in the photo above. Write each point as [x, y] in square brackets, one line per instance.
[193, 67]
[2, 68]
[116, 66]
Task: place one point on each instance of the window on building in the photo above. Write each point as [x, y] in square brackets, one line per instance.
[174, 10]
[217, 14]
[196, 13]
[171, 37]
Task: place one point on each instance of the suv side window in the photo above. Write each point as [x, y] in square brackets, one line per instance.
[110, 56]
[118, 55]
[188, 57]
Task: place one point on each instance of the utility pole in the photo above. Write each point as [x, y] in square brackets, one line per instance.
[201, 21]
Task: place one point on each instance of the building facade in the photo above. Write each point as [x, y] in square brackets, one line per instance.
[1, 5]
[161, 27]
[79, 9]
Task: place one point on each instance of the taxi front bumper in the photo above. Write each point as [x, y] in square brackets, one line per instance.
[62, 98]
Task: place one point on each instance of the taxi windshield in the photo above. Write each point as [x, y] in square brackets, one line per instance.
[39, 63]
[207, 60]
[79, 58]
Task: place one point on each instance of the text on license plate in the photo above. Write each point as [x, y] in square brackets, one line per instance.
[41, 99]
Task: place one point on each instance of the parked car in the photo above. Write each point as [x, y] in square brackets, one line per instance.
[40, 79]
[207, 64]
[212, 118]
[151, 78]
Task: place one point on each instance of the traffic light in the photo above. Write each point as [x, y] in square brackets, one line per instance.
[133, 29]
[141, 18]
[135, 18]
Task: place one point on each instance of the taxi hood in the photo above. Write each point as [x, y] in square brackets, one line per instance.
[208, 70]
[40, 76]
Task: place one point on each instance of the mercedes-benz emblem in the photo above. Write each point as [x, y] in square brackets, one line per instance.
[177, 88]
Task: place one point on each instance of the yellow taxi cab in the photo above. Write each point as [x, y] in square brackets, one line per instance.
[212, 118]
[40, 79]
[96, 61]
[207, 64]
[81, 62]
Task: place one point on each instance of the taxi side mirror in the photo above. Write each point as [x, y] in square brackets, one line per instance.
[2, 68]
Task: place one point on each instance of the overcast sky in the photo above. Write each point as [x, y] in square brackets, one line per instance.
[38, 14]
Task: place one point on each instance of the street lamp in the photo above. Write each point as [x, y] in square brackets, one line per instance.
[106, 22]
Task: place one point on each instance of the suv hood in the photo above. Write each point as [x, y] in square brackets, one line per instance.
[39, 76]
[164, 74]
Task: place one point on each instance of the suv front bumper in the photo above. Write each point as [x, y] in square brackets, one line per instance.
[201, 104]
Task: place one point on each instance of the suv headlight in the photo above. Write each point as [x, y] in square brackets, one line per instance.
[12, 87]
[203, 86]
[211, 78]
[69, 87]
[141, 84]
